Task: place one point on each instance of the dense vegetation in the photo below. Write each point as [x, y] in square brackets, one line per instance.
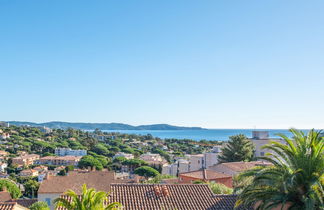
[90, 199]
[238, 148]
[101, 147]
[296, 179]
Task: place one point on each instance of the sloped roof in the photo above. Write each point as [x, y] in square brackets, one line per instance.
[100, 180]
[178, 196]
[24, 202]
[4, 196]
[10, 206]
[205, 174]
[240, 166]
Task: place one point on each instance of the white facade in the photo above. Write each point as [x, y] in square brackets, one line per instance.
[151, 157]
[261, 138]
[69, 152]
[122, 154]
[3, 167]
[191, 163]
[4, 124]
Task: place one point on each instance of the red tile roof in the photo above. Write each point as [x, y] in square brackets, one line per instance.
[4, 196]
[168, 196]
[100, 180]
[24, 202]
[10, 206]
[172, 196]
[205, 174]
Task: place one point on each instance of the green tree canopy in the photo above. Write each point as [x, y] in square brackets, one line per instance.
[89, 161]
[146, 171]
[11, 187]
[90, 199]
[238, 148]
[40, 205]
[296, 178]
[31, 188]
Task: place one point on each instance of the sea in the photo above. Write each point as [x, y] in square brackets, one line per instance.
[205, 134]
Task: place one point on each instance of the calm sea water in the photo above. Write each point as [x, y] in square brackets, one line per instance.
[210, 134]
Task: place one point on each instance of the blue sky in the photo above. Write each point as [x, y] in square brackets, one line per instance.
[215, 64]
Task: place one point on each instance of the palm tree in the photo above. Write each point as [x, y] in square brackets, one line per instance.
[296, 178]
[88, 200]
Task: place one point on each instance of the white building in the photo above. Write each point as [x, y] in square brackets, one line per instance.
[4, 124]
[122, 154]
[70, 152]
[191, 163]
[261, 138]
[45, 129]
[152, 158]
[3, 167]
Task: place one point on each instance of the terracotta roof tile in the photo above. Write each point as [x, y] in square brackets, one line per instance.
[179, 196]
[169, 196]
[24, 202]
[100, 180]
[10, 206]
[205, 174]
[4, 196]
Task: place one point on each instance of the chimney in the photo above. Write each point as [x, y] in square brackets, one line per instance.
[47, 177]
[157, 190]
[165, 190]
[204, 174]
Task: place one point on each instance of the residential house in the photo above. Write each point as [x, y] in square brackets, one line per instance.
[206, 175]
[4, 124]
[3, 155]
[25, 160]
[191, 163]
[125, 155]
[53, 187]
[152, 159]
[59, 161]
[3, 166]
[261, 138]
[45, 129]
[12, 206]
[70, 152]
[28, 172]
[170, 196]
[41, 169]
[234, 168]
[4, 136]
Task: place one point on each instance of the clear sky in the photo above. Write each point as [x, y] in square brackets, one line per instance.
[214, 64]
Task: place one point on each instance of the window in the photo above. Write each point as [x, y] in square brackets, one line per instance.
[48, 201]
[262, 153]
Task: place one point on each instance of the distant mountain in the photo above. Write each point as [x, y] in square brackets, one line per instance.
[104, 126]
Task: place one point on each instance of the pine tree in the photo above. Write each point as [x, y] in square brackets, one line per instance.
[238, 148]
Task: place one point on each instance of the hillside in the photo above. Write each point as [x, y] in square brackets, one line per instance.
[104, 126]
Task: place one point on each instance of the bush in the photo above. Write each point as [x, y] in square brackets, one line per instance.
[40, 205]
[219, 188]
[146, 171]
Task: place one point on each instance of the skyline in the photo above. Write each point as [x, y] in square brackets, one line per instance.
[209, 64]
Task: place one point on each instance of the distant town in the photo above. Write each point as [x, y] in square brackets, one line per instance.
[40, 164]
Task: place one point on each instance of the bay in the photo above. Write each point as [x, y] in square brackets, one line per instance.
[206, 134]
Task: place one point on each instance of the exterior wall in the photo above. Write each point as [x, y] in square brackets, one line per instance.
[48, 198]
[260, 134]
[69, 152]
[183, 167]
[196, 163]
[125, 155]
[259, 152]
[210, 159]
